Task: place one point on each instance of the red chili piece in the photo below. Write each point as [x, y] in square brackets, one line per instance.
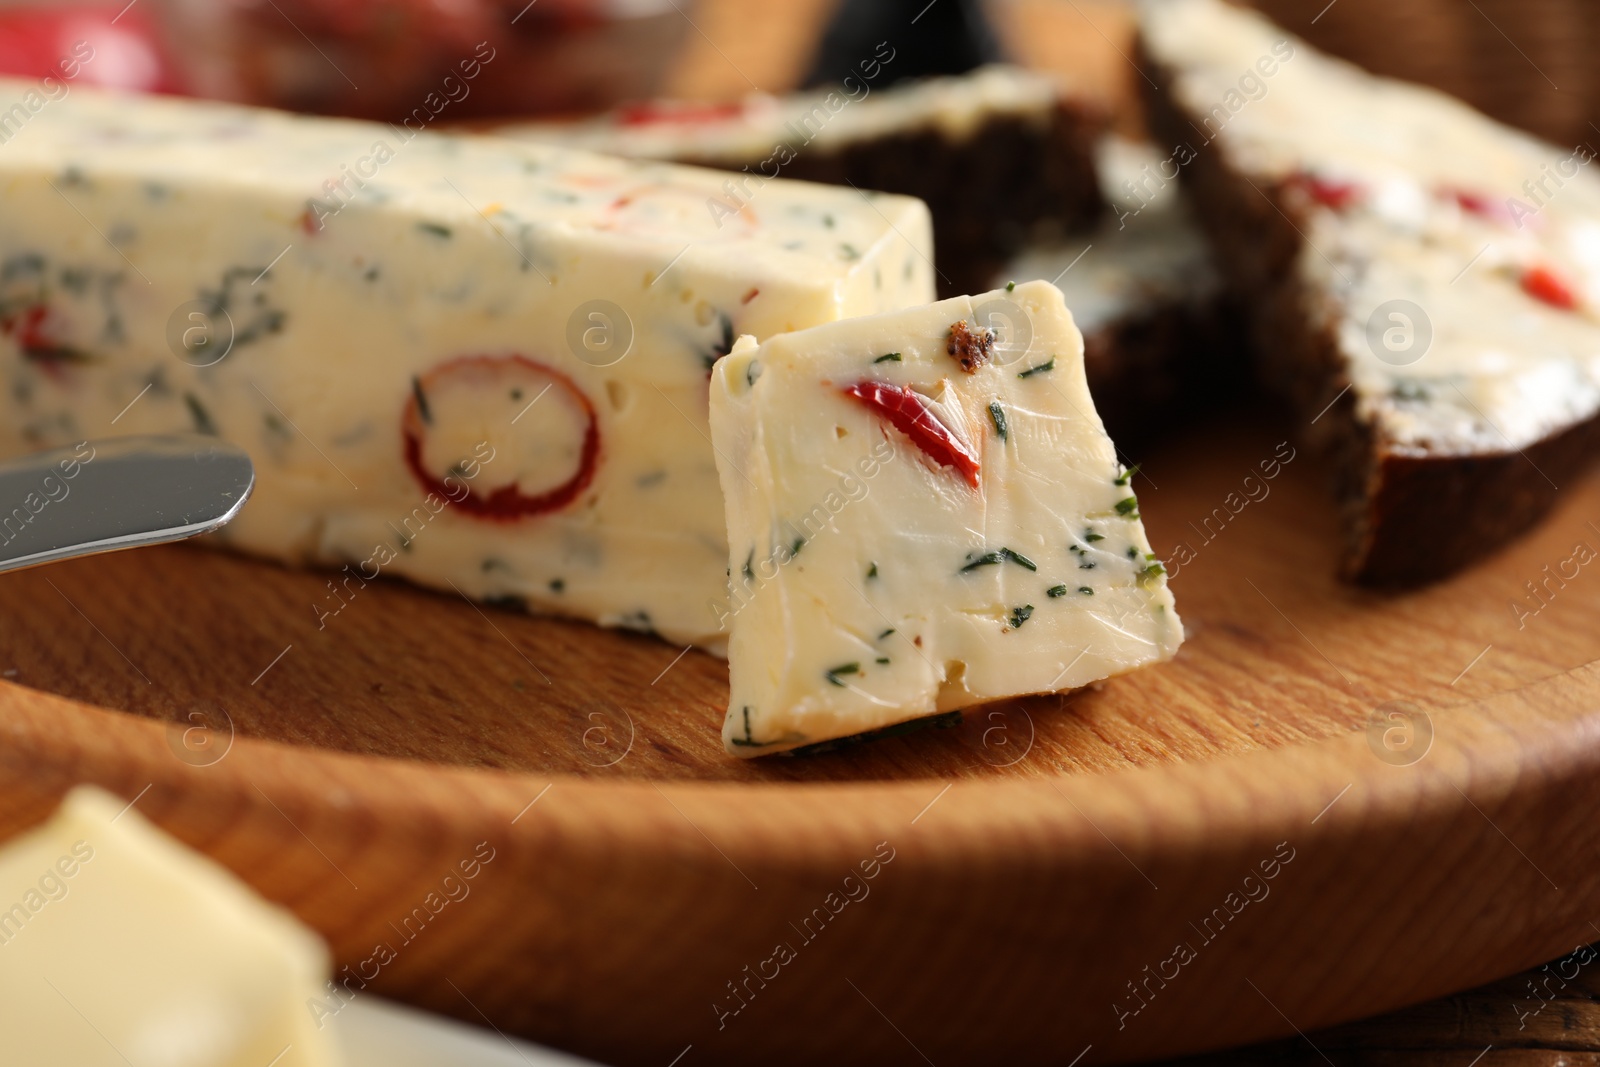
[30, 331]
[1543, 283]
[650, 114]
[910, 414]
[506, 503]
[1327, 191]
[1482, 205]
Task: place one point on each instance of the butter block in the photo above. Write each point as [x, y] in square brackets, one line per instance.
[465, 361]
[119, 945]
[924, 514]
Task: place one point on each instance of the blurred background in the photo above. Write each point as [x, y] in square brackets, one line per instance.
[1527, 62]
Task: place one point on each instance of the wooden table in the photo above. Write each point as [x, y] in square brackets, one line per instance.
[1544, 1017]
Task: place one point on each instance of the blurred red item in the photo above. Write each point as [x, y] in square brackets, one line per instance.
[1328, 192]
[127, 53]
[1543, 283]
[425, 60]
[675, 113]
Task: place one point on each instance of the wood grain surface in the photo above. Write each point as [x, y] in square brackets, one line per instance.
[1547, 1016]
[638, 870]
[1278, 652]
[1045, 853]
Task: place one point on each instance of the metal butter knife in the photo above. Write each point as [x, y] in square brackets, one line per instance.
[120, 492]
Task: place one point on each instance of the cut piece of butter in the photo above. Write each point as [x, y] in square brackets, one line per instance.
[909, 536]
[119, 945]
[474, 363]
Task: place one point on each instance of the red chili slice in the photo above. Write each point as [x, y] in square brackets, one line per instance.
[1482, 205]
[1327, 191]
[655, 113]
[30, 330]
[910, 414]
[506, 503]
[1543, 283]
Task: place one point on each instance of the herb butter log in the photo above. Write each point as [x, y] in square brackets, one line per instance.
[120, 946]
[473, 363]
[1000, 154]
[922, 517]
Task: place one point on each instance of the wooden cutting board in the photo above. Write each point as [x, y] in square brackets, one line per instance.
[1035, 870]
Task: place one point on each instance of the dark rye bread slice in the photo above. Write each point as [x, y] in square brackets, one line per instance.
[1161, 339]
[1002, 156]
[1150, 372]
[1409, 514]
[1008, 180]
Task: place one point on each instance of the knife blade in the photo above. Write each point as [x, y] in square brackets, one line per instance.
[115, 493]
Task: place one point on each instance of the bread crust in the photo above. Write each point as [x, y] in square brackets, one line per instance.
[1154, 370]
[1011, 180]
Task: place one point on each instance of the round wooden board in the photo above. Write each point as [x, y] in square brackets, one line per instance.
[1037, 868]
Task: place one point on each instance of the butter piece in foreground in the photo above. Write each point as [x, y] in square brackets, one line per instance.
[118, 945]
[924, 516]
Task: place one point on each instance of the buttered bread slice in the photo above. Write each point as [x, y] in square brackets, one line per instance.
[477, 364]
[923, 514]
[1424, 282]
